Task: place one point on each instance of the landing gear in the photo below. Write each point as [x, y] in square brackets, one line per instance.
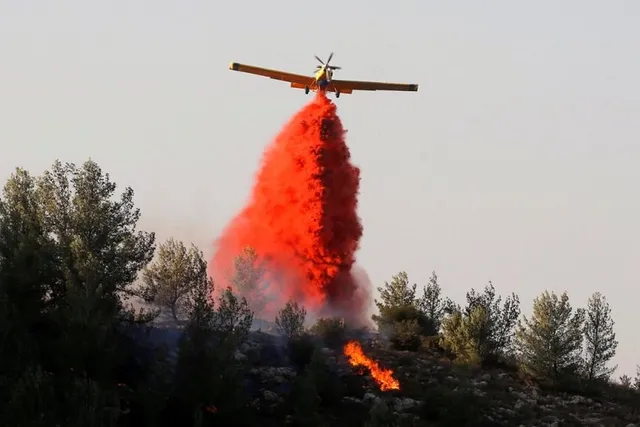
[337, 94]
[306, 90]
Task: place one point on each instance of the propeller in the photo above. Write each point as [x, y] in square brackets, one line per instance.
[330, 67]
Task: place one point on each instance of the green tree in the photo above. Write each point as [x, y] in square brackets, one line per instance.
[482, 331]
[290, 320]
[398, 293]
[30, 284]
[399, 313]
[500, 321]
[196, 373]
[233, 319]
[173, 275]
[69, 255]
[550, 343]
[600, 338]
[100, 254]
[100, 248]
[208, 378]
[249, 280]
[468, 335]
[433, 305]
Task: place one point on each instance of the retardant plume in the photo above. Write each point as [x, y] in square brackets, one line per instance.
[300, 225]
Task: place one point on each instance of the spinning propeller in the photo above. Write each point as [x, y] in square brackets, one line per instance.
[326, 66]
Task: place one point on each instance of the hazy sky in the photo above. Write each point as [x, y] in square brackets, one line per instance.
[516, 162]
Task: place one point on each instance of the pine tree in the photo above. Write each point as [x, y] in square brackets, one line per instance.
[248, 279]
[398, 293]
[500, 322]
[432, 305]
[550, 343]
[170, 279]
[290, 320]
[398, 309]
[600, 338]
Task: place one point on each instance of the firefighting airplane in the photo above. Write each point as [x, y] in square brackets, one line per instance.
[322, 80]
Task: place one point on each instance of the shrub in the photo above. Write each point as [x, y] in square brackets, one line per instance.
[300, 350]
[331, 330]
[406, 335]
[380, 415]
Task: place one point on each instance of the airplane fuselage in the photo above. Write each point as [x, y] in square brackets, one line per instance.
[323, 77]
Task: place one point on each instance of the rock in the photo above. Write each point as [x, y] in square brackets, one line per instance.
[278, 375]
[369, 397]
[270, 396]
[350, 399]
[401, 404]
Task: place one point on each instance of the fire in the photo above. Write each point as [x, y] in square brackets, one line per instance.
[384, 377]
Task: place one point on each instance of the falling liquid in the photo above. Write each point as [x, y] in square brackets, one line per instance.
[301, 219]
[384, 377]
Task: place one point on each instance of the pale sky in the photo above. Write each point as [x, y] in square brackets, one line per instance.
[516, 161]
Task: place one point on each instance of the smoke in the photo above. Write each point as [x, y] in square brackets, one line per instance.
[300, 223]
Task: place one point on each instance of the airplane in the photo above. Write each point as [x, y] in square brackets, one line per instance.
[322, 79]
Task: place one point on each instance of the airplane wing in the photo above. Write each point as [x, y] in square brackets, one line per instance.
[272, 74]
[348, 86]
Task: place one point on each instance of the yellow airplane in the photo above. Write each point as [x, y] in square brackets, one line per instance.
[322, 79]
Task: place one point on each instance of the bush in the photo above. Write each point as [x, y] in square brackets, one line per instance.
[332, 331]
[433, 343]
[406, 335]
[381, 416]
[301, 350]
[448, 408]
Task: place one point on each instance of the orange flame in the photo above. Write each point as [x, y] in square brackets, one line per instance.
[384, 377]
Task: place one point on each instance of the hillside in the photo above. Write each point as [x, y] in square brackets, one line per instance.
[434, 391]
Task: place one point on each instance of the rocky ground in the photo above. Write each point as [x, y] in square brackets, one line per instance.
[434, 391]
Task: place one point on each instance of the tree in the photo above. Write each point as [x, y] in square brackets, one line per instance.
[625, 381]
[100, 249]
[550, 343]
[483, 330]
[195, 382]
[600, 338]
[208, 375]
[467, 335]
[99, 254]
[290, 320]
[400, 317]
[500, 322]
[433, 305]
[233, 319]
[397, 296]
[29, 278]
[69, 255]
[398, 293]
[636, 380]
[175, 273]
[248, 279]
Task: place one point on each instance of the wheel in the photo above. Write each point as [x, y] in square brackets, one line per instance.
[337, 94]
[306, 90]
